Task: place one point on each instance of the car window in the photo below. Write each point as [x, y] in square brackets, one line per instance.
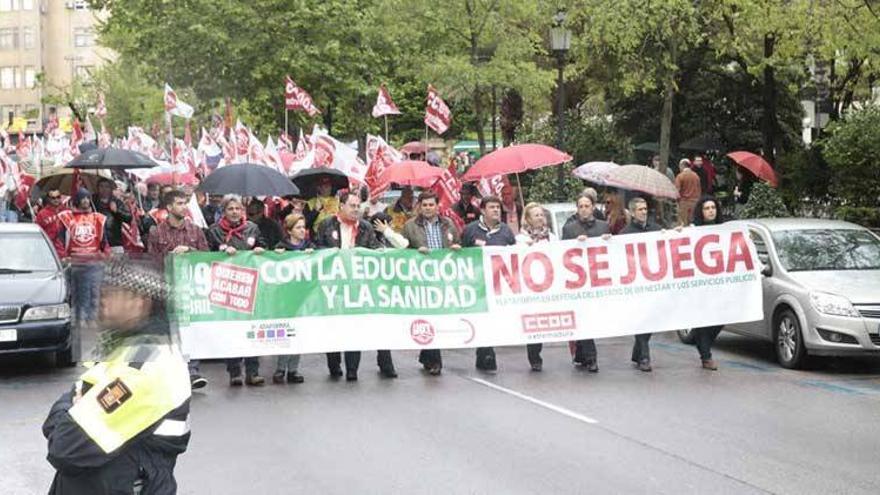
[28, 252]
[760, 246]
[828, 249]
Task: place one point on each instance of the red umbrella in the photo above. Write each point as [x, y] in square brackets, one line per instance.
[756, 165]
[411, 173]
[515, 159]
[167, 178]
[414, 148]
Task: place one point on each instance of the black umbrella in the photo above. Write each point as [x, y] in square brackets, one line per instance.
[649, 146]
[308, 179]
[111, 158]
[248, 179]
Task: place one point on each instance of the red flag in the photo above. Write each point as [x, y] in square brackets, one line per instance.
[384, 105]
[23, 148]
[227, 118]
[437, 113]
[76, 138]
[25, 182]
[51, 124]
[296, 98]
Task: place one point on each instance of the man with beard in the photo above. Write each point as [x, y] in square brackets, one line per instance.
[178, 235]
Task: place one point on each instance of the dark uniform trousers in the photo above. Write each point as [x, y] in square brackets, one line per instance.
[353, 360]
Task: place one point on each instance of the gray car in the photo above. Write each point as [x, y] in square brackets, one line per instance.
[34, 300]
[821, 289]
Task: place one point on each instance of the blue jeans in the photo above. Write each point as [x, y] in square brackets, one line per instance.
[85, 281]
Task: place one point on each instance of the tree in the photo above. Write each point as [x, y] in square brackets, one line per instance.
[852, 150]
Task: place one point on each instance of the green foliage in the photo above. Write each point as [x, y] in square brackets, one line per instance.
[853, 151]
[805, 180]
[764, 202]
[586, 139]
[862, 215]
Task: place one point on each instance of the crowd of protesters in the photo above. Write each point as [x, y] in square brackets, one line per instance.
[88, 226]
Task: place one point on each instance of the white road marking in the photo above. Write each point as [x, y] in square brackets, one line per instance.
[538, 402]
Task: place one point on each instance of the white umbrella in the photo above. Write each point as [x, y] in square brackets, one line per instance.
[595, 172]
[644, 179]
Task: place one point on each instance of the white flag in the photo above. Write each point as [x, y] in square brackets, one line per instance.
[175, 106]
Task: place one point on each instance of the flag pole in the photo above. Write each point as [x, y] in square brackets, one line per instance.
[171, 148]
[386, 127]
[286, 131]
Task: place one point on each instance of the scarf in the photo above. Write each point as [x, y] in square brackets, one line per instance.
[351, 225]
[542, 234]
[232, 230]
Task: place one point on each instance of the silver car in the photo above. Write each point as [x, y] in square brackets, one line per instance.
[821, 289]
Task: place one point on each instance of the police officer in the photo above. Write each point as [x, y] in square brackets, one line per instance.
[125, 421]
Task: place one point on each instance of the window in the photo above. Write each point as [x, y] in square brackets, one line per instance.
[83, 37]
[8, 38]
[84, 72]
[9, 5]
[80, 5]
[32, 114]
[7, 77]
[30, 77]
[17, 76]
[27, 37]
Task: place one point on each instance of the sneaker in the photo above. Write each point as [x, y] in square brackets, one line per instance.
[294, 377]
[278, 377]
[592, 366]
[351, 375]
[709, 364]
[197, 381]
[644, 365]
[255, 380]
[235, 381]
[389, 372]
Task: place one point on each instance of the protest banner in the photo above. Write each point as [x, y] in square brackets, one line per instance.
[331, 300]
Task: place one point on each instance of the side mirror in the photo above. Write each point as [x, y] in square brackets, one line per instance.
[767, 271]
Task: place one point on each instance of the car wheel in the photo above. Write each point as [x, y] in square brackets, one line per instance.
[686, 336]
[64, 359]
[789, 340]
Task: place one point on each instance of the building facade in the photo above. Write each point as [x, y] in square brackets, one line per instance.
[52, 40]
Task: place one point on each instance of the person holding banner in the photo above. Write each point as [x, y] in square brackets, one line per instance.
[580, 226]
[707, 212]
[489, 230]
[534, 231]
[287, 367]
[231, 234]
[640, 223]
[426, 232]
[347, 230]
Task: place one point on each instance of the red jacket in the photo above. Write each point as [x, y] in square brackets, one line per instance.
[48, 219]
[84, 234]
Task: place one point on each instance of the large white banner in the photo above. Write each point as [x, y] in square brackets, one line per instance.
[332, 300]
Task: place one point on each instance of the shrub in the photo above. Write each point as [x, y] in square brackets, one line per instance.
[764, 202]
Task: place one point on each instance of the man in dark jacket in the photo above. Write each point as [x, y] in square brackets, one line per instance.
[232, 233]
[425, 232]
[122, 425]
[489, 230]
[347, 230]
[115, 211]
[269, 228]
[641, 353]
[465, 208]
[582, 225]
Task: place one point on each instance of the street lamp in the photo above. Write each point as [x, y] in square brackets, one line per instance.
[560, 43]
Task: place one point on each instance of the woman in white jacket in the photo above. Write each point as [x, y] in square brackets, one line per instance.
[534, 229]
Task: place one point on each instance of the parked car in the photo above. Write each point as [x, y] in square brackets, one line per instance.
[821, 289]
[34, 295]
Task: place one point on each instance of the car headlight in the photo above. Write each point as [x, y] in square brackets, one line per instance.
[831, 304]
[53, 312]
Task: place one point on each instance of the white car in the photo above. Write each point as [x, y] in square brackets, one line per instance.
[821, 289]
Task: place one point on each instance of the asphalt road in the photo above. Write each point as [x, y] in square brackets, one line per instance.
[750, 427]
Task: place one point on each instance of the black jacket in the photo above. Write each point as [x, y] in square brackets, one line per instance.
[475, 231]
[216, 238]
[114, 220]
[634, 227]
[575, 227]
[270, 230]
[328, 235]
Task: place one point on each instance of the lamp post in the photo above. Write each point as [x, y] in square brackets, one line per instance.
[560, 43]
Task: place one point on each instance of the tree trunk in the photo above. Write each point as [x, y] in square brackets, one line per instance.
[666, 122]
[769, 125]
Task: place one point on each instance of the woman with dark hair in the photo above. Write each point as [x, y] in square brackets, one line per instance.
[707, 212]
